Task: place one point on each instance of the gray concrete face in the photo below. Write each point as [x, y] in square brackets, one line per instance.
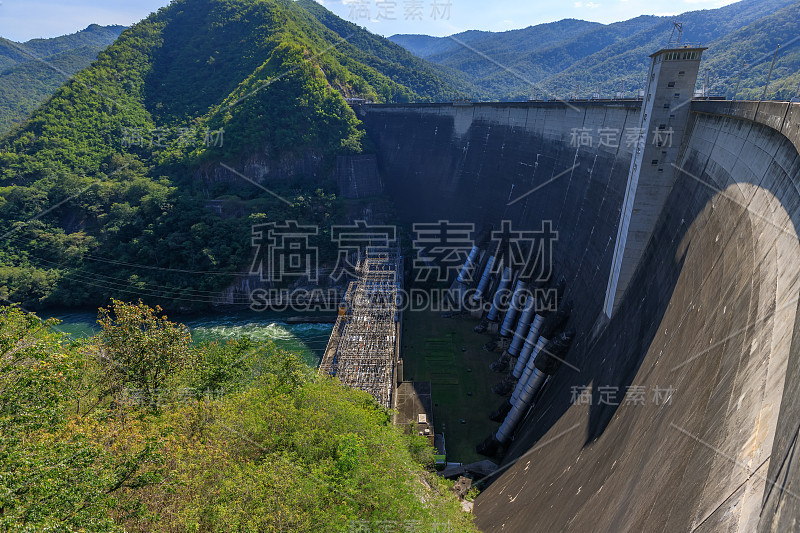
[662, 124]
[480, 163]
[706, 330]
[710, 319]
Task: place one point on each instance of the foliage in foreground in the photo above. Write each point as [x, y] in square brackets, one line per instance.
[242, 438]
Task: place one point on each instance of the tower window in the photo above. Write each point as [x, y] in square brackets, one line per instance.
[654, 162]
[666, 106]
[671, 84]
[677, 95]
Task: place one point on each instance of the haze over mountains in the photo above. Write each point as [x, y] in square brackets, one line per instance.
[559, 57]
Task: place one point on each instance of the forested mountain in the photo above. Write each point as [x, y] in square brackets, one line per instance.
[426, 46]
[454, 50]
[429, 78]
[750, 50]
[32, 71]
[576, 58]
[104, 191]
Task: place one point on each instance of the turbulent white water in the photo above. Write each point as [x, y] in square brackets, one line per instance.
[307, 340]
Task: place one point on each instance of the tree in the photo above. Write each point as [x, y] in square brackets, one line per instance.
[139, 348]
[54, 475]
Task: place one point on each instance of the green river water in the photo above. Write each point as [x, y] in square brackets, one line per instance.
[307, 340]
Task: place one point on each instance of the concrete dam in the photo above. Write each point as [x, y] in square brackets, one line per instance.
[703, 324]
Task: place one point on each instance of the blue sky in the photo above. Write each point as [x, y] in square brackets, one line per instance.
[25, 19]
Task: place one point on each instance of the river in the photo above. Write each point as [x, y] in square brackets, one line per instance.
[306, 340]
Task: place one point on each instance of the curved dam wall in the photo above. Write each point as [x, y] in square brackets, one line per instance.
[514, 161]
[683, 412]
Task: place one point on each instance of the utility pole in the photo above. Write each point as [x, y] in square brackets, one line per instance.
[708, 87]
[769, 76]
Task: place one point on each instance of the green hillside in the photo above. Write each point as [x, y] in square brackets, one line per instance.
[627, 59]
[32, 71]
[755, 45]
[574, 58]
[102, 191]
[139, 430]
[429, 79]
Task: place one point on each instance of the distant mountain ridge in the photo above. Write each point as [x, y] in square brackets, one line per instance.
[31, 71]
[576, 58]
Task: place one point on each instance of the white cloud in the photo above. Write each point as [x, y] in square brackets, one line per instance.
[590, 5]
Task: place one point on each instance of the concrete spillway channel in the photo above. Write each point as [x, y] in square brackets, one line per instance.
[680, 412]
